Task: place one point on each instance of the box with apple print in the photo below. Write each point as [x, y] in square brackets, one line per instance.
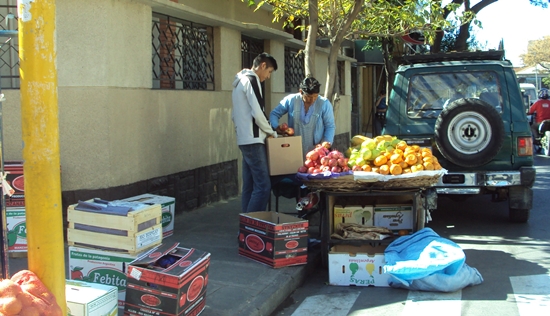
[167, 280]
[274, 239]
[102, 267]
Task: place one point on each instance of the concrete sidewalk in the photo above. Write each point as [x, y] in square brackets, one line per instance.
[236, 285]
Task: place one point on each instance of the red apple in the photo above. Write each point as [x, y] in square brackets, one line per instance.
[289, 131]
[302, 169]
[325, 160]
[309, 163]
[336, 169]
[283, 126]
[312, 155]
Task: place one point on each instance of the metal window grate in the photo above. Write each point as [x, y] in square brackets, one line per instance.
[294, 69]
[9, 47]
[183, 54]
[250, 48]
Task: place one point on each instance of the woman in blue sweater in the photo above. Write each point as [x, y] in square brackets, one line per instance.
[309, 114]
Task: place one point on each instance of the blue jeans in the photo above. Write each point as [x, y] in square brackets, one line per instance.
[256, 180]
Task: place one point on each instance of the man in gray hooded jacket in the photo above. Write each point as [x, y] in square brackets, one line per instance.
[252, 128]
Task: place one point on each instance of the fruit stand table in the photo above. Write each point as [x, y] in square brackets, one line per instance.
[416, 193]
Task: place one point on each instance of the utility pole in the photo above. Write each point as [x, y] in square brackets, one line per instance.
[40, 128]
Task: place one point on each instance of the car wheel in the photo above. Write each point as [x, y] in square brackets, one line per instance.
[520, 202]
[469, 132]
[545, 142]
[519, 215]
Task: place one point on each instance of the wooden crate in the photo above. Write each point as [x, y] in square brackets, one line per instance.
[137, 231]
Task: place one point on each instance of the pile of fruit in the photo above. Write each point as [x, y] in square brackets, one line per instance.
[389, 155]
[323, 159]
[25, 295]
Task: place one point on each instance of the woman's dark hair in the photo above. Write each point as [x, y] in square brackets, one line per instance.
[265, 58]
[310, 85]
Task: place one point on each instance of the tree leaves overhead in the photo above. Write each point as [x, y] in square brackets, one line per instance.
[538, 52]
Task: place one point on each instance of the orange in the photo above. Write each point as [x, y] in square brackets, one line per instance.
[366, 168]
[380, 160]
[395, 169]
[428, 165]
[384, 169]
[396, 158]
[411, 159]
[401, 145]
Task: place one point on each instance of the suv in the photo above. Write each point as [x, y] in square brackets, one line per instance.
[468, 108]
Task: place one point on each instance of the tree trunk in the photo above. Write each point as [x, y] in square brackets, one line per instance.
[309, 51]
[436, 46]
[461, 43]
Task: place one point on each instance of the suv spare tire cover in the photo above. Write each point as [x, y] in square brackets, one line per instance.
[469, 132]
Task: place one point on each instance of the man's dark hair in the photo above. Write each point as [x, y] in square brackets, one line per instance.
[265, 58]
[310, 85]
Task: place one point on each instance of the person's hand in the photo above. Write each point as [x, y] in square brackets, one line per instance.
[281, 128]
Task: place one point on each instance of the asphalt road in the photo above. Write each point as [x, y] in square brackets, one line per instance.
[513, 259]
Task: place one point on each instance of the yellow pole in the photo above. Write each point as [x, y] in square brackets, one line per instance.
[40, 128]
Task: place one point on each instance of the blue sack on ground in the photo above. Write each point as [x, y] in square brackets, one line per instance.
[440, 282]
[426, 261]
[421, 254]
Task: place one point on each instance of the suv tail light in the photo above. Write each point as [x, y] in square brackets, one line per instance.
[525, 146]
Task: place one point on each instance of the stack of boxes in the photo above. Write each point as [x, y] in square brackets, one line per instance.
[127, 251]
[15, 209]
[101, 244]
[362, 266]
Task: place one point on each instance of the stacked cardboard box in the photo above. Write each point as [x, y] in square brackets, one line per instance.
[101, 244]
[168, 280]
[90, 299]
[16, 221]
[274, 239]
[168, 205]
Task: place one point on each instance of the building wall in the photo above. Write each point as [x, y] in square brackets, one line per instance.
[116, 132]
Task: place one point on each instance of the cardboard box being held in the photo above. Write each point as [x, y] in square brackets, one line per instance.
[274, 239]
[284, 155]
[361, 266]
[167, 280]
[90, 299]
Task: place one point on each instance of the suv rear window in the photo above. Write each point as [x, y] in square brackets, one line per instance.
[429, 94]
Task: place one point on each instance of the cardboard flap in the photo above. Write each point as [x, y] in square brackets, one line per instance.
[154, 254]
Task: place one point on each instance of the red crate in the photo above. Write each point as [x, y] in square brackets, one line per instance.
[14, 177]
[275, 239]
[168, 280]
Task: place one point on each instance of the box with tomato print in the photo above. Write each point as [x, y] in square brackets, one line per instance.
[14, 176]
[274, 239]
[167, 280]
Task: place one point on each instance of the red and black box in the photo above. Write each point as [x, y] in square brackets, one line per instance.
[274, 239]
[167, 280]
[14, 177]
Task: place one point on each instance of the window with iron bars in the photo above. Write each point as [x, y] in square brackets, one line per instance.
[294, 69]
[183, 54]
[250, 48]
[9, 47]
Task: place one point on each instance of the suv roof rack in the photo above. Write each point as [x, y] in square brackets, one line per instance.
[453, 56]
